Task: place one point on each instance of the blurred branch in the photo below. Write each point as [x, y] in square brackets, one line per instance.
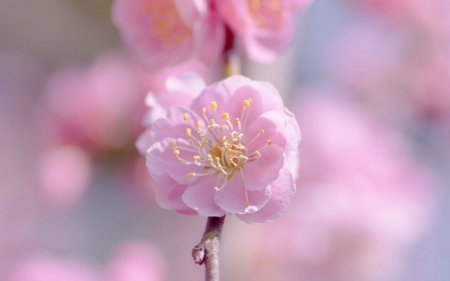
[207, 251]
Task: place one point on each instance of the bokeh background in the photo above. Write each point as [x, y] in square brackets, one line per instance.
[369, 82]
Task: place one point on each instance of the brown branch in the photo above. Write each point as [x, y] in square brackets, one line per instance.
[207, 251]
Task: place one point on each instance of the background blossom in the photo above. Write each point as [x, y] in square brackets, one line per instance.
[165, 33]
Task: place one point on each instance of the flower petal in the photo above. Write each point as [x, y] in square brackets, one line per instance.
[168, 195]
[261, 172]
[283, 189]
[200, 197]
[232, 197]
[161, 160]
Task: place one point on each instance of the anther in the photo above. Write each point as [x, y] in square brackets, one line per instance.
[216, 188]
[190, 175]
[188, 132]
[225, 116]
[185, 117]
[199, 124]
[236, 120]
[269, 142]
[246, 103]
[176, 152]
[262, 132]
[196, 157]
[204, 111]
[214, 105]
[247, 203]
[174, 144]
[257, 153]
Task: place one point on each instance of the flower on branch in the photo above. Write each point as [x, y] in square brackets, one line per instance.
[233, 150]
[165, 33]
[262, 27]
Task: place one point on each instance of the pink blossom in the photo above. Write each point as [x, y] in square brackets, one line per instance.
[64, 174]
[136, 261]
[88, 105]
[229, 152]
[165, 33]
[46, 268]
[262, 27]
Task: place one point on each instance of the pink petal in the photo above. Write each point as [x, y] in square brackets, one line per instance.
[200, 197]
[283, 189]
[232, 197]
[161, 160]
[168, 195]
[258, 174]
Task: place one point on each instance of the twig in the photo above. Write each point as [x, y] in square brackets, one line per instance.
[207, 251]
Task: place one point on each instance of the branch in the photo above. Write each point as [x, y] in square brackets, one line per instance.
[207, 251]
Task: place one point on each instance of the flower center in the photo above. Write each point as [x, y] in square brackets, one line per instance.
[167, 24]
[220, 148]
[267, 14]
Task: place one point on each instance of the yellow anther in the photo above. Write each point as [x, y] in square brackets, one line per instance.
[199, 124]
[257, 153]
[214, 105]
[185, 117]
[236, 120]
[241, 156]
[196, 157]
[181, 160]
[176, 152]
[174, 144]
[225, 116]
[216, 188]
[246, 103]
[212, 121]
[222, 127]
[190, 175]
[188, 132]
[269, 142]
[217, 159]
[204, 111]
[262, 132]
[247, 203]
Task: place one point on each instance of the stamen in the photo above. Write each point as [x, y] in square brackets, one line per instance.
[246, 103]
[204, 111]
[255, 137]
[174, 144]
[225, 116]
[214, 105]
[247, 203]
[196, 158]
[190, 175]
[188, 132]
[185, 117]
[176, 152]
[262, 132]
[269, 142]
[199, 124]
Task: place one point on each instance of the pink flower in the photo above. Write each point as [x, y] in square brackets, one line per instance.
[228, 152]
[262, 27]
[164, 33]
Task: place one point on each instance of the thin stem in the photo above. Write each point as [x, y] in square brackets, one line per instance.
[207, 251]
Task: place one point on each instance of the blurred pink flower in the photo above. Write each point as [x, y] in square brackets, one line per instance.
[362, 202]
[240, 165]
[88, 106]
[136, 261]
[45, 268]
[133, 261]
[262, 27]
[64, 173]
[165, 33]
